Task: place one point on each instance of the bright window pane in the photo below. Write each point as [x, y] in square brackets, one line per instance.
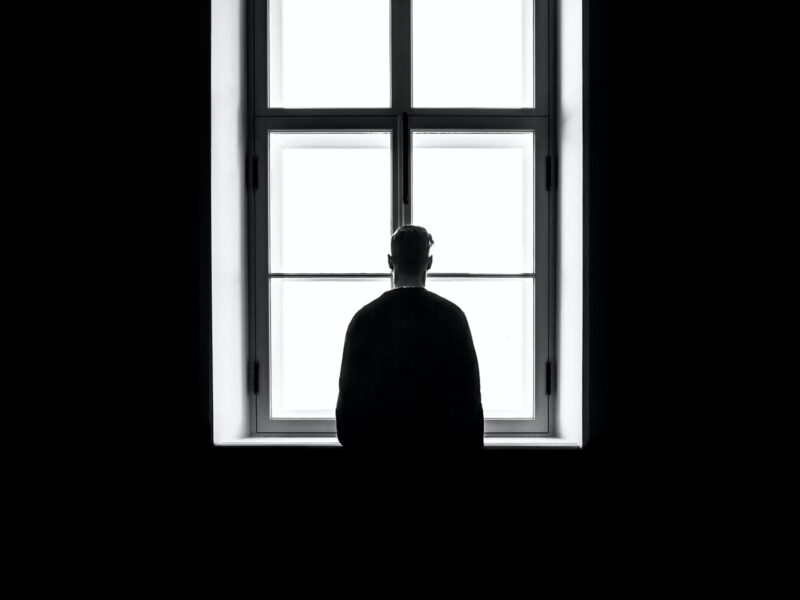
[473, 53]
[308, 322]
[474, 194]
[500, 316]
[330, 202]
[326, 53]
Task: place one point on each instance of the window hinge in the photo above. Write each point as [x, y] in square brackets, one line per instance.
[252, 172]
[406, 157]
[549, 172]
[548, 378]
[255, 377]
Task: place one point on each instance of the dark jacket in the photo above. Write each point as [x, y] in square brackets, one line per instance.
[409, 376]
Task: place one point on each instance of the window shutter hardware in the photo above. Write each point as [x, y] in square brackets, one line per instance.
[254, 172]
[406, 157]
[255, 377]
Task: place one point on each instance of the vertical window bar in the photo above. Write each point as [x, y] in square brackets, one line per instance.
[401, 102]
[397, 179]
[401, 55]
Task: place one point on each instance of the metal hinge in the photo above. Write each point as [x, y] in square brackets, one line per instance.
[406, 157]
[255, 377]
[549, 172]
[548, 378]
[252, 173]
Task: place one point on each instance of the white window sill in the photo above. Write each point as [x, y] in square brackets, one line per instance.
[489, 442]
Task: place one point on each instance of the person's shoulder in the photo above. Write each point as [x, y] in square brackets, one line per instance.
[368, 309]
[373, 304]
[444, 304]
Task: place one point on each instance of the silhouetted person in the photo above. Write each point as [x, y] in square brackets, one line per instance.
[409, 377]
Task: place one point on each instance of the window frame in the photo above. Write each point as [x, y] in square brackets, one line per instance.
[261, 120]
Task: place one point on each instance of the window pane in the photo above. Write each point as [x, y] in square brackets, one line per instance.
[308, 322]
[500, 316]
[328, 54]
[474, 193]
[330, 202]
[473, 53]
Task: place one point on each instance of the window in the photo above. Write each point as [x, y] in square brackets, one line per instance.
[365, 115]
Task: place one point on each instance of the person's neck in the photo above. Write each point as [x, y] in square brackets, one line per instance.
[401, 281]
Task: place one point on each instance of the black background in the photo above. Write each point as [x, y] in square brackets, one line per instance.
[113, 164]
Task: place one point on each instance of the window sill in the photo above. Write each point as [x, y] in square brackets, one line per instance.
[330, 441]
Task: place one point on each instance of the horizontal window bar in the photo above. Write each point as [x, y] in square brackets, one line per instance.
[418, 112]
[355, 275]
[483, 275]
[326, 275]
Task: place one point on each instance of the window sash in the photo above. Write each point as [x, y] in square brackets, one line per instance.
[262, 120]
[402, 214]
[401, 67]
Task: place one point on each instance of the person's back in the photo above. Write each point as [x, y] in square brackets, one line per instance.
[409, 376]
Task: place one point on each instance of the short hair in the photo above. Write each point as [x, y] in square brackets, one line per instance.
[410, 246]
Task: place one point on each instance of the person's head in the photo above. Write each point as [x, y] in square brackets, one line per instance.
[410, 246]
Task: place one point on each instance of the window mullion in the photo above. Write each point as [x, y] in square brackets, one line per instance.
[398, 213]
[401, 55]
[401, 103]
